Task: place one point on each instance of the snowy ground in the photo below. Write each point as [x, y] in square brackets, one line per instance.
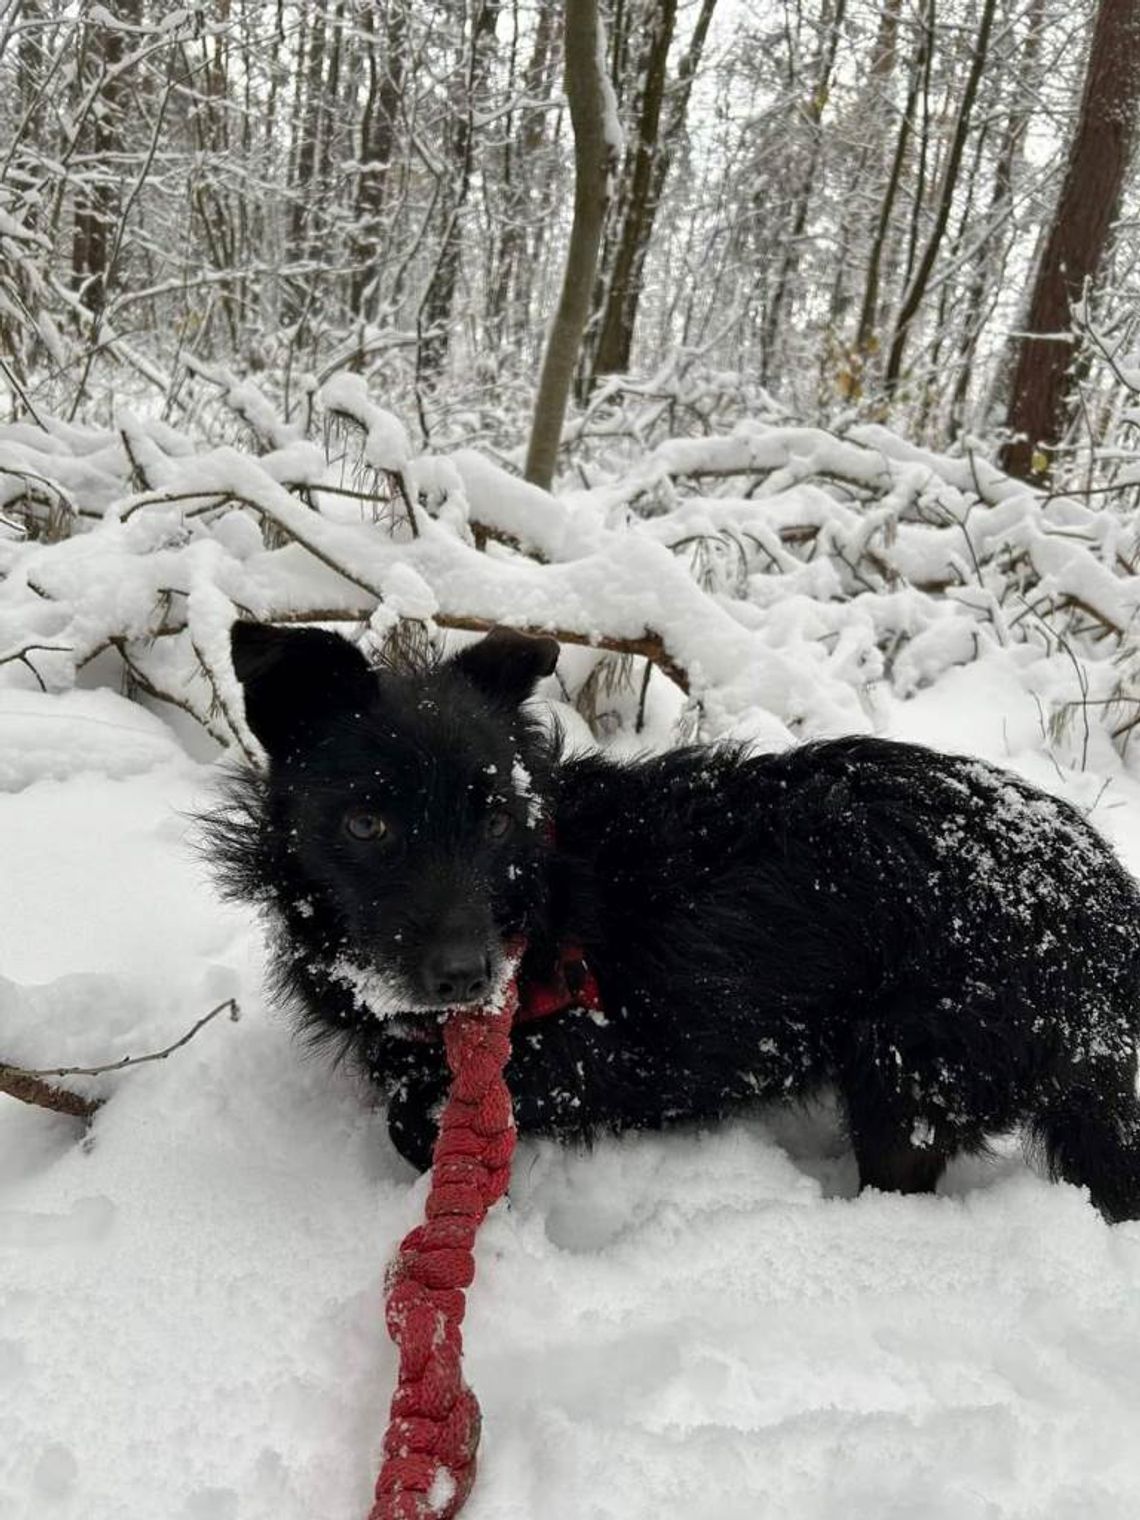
[696, 1326]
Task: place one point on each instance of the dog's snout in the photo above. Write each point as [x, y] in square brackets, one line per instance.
[457, 973]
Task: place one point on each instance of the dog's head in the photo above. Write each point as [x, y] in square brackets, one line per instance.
[407, 808]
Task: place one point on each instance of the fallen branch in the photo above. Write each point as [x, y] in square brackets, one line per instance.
[651, 646]
[28, 1085]
[29, 1089]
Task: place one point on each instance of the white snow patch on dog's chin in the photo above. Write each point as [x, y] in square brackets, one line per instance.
[380, 996]
[383, 997]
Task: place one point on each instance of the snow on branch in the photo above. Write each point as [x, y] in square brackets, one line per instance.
[776, 574]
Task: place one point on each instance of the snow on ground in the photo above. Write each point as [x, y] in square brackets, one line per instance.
[697, 1326]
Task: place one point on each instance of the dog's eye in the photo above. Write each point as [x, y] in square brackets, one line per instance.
[499, 825]
[359, 823]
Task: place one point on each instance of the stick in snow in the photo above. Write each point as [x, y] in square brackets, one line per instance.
[28, 1084]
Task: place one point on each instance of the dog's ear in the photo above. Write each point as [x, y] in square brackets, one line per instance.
[506, 664]
[293, 676]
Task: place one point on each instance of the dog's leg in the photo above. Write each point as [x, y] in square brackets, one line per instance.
[906, 1081]
[1091, 1137]
[890, 1163]
[575, 1076]
[413, 1107]
[412, 1131]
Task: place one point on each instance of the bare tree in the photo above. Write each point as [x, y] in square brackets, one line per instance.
[991, 242]
[434, 317]
[869, 312]
[305, 185]
[1090, 199]
[102, 55]
[385, 62]
[918, 283]
[813, 113]
[661, 116]
[520, 181]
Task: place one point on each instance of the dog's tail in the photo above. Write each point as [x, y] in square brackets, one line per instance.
[1090, 1136]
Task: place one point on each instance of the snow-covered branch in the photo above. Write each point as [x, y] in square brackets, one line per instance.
[776, 574]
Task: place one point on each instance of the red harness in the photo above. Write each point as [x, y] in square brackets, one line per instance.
[573, 985]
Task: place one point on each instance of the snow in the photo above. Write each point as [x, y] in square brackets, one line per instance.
[701, 1324]
[76, 732]
[386, 443]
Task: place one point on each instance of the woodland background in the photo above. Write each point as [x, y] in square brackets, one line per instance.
[834, 304]
[842, 202]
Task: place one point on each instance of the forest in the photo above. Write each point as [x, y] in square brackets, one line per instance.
[583, 244]
[843, 204]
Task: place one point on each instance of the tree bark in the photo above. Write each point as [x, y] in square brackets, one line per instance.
[869, 312]
[1090, 199]
[916, 290]
[310, 125]
[378, 129]
[97, 206]
[434, 322]
[793, 252]
[615, 334]
[518, 181]
[594, 118]
[990, 252]
[623, 294]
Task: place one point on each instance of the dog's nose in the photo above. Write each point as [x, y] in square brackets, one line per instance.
[457, 974]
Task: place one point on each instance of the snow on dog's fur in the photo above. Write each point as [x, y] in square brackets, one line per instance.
[953, 950]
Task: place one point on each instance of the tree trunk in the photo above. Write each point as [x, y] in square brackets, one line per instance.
[793, 251]
[615, 334]
[216, 213]
[378, 127]
[434, 322]
[1090, 198]
[870, 119]
[518, 179]
[594, 118]
[651, 170]
[97, 206]
[869, 313]
[989, 255]
[310, 124]
[916, 290]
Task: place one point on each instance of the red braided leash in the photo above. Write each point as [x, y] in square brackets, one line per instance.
[433, 1426]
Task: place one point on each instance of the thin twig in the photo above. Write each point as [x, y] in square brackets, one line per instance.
[401, 486]
[640, 724]
[22, 656]
[28, 1084]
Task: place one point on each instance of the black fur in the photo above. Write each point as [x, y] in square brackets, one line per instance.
[955, 951]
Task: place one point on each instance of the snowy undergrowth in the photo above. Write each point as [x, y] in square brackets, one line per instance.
[783, 576]
[700, 1325]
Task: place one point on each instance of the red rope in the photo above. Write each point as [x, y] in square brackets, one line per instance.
[433, 1425]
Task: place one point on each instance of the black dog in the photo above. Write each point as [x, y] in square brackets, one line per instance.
[955, 951]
